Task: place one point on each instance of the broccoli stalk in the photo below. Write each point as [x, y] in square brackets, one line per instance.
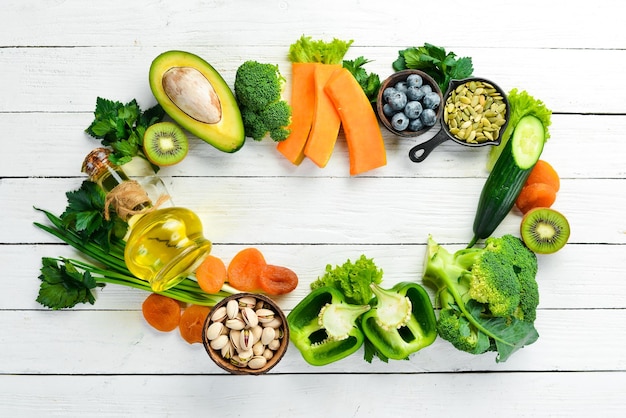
[488, 296]
[258, 89]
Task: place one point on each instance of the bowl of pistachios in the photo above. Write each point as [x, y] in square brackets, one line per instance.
[475, 113]
[246, 333]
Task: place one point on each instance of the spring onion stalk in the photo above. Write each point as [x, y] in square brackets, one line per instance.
[114, 270]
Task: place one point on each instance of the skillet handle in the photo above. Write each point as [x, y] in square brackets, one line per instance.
[418, 153]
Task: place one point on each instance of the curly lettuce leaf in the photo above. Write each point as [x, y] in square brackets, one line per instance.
[520, 104]
[306, 49]
[352, 279]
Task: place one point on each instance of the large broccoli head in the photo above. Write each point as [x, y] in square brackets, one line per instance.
[488, 296]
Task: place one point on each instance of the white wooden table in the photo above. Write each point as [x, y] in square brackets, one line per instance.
[57, 56]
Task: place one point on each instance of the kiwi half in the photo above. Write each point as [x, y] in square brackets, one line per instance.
[544, 230]
[165, 143]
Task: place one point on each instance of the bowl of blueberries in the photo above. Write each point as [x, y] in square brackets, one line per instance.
[409, 103]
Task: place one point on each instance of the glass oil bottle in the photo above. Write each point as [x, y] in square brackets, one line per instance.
[164, 244]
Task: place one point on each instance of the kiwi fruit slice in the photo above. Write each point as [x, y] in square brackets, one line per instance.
[165, 143]
[544, 230]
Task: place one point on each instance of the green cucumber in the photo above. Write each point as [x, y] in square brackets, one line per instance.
[504, 184]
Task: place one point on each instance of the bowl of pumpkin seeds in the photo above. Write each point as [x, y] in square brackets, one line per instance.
[475, 113]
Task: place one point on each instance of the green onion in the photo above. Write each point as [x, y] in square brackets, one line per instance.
[114, 270]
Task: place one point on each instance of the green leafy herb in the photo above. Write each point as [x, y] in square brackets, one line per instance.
[63, 286]
[122, 126]
[442, 66]
[370, 83]
[85, 214]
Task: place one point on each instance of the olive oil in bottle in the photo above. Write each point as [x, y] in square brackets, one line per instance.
[163, 245]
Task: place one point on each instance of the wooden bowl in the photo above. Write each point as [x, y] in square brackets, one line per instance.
[233, 365]
[391, 81]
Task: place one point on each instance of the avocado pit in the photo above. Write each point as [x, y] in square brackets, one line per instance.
[193, 94]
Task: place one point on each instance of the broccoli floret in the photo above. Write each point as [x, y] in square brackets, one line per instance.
[454, 327]
[488, 296]
[258, 89]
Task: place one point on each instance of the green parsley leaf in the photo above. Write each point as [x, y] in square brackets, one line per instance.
[63, 286]
[370, 83]
[122, 126]
[442, 66]
[85, 214]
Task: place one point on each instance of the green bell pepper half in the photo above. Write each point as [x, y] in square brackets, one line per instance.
[397, 328]
[324, 327]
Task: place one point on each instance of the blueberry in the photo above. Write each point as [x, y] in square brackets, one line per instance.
[416, 125]
[414, 93]
[388, 92]
[428, 117]
[397, 100]
[431, 100]
[413, 109]
[401, 86]
[399, 121]
[388, 111]
[414, 80]
[426, 89]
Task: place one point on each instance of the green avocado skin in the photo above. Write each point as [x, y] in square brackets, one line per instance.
[226, 134]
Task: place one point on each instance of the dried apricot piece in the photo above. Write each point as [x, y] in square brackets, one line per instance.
[245, 268]
[192, 322]
[161, 312]
[535, 195]
[543, 172]
[211, 274]
[277, 280]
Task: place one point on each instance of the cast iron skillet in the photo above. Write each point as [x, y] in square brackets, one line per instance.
[418, 153]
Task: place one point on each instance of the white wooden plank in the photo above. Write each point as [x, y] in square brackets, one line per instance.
[42, 81]
[359, 396]
[332, 210]
[121, 342]
[537, 24]
[54, 145]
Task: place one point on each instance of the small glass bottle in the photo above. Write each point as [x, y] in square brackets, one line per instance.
[163, 245]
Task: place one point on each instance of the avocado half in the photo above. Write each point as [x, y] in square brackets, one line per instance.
[196, 96]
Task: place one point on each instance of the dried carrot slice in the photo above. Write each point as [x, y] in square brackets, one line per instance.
[245, 269]
[277, 280]
[192, 322]
[211, 274]
[535, 195]
[161, 312]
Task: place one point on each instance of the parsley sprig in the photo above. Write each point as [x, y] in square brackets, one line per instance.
[369, 82]
[442, 66]
[85, 214]
[122, 126]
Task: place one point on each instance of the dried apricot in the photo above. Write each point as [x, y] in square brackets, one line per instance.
[211, 274]
[543, 172]
[192, 322]
[277, 280]
[535, 195]
[245, 269]
[161, 312]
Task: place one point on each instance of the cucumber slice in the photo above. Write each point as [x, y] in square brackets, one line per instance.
[527, 141]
